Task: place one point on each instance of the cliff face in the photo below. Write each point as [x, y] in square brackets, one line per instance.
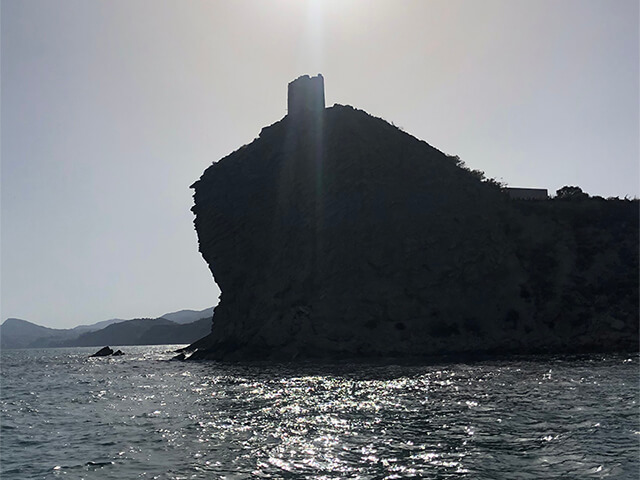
[336, 234]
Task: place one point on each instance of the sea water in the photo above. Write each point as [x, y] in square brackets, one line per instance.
[65, 415]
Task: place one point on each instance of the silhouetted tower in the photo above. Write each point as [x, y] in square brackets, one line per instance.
[305, 94]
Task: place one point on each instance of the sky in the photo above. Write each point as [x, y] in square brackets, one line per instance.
[110, 110]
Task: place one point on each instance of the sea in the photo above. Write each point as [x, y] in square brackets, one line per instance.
[144, 416]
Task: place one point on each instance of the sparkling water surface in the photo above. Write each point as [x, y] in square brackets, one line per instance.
[65, 415]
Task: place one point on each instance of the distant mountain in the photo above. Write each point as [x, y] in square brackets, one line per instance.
[16, 333]
[98, 325]
[188, 316]
[181, 317]
[144, 331]
[189, 327]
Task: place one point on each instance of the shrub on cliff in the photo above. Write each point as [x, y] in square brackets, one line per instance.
[571, 193]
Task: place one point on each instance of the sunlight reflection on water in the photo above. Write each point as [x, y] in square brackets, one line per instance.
[140, 416]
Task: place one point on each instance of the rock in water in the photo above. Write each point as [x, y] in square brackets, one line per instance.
[337, 234]
[103, 352]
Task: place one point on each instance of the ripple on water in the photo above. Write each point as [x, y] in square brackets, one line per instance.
[143, 417]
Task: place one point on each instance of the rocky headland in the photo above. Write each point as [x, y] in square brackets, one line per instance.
[335, 234]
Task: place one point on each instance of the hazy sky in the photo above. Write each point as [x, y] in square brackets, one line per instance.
[111, 109]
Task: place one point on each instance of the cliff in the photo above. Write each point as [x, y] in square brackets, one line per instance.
[336, 234]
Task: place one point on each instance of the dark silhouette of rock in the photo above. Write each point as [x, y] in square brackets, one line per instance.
[103, 352]
[180, 356]
[337, 234]
[118, 353]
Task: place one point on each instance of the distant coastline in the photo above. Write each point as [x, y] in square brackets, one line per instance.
[184, 326]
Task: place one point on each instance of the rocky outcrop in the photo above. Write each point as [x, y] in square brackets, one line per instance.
[107, 352]
[336, 234]
[103, 352]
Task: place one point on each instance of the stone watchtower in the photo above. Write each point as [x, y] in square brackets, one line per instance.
[305, 95]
